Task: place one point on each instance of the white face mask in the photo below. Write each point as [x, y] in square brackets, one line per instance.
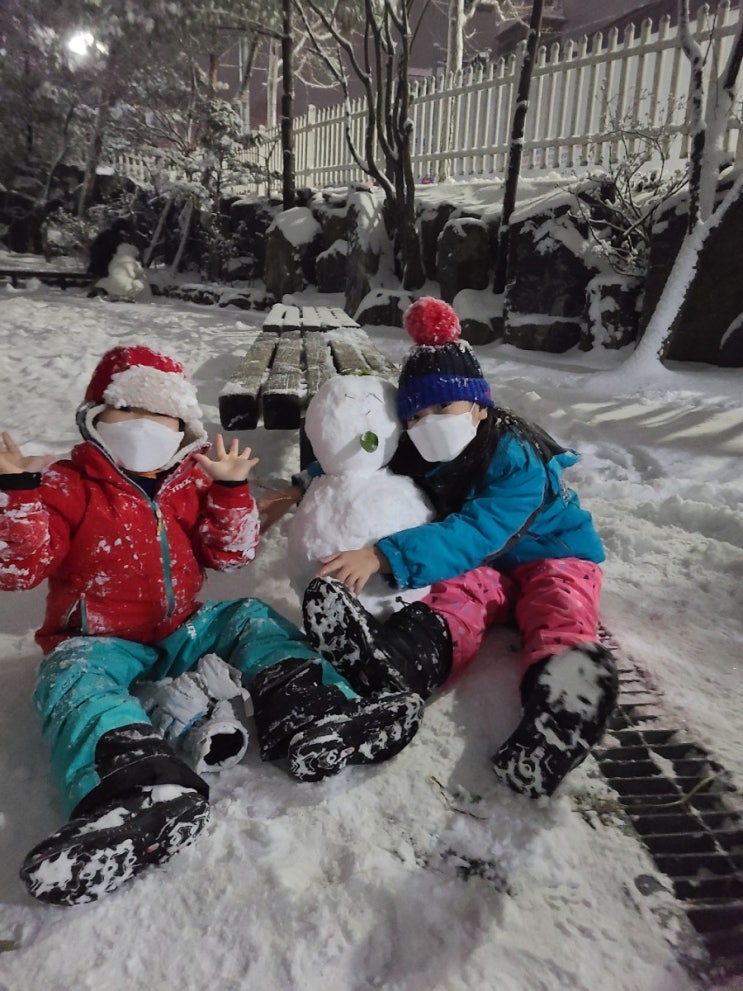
[443, 436]
[141, 444]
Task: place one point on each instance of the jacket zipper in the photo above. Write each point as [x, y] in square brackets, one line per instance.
[159, 531]
[162, 537]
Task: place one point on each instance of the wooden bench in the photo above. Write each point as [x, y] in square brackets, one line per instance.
[53, 277]
[298, 348]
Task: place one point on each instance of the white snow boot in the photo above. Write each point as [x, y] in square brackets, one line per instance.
[568, 699]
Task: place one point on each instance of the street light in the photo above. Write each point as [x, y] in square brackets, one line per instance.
[82, 44]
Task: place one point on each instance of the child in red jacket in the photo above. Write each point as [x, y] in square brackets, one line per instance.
[122, 532]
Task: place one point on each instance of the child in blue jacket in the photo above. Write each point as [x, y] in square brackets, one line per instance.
[510, 542]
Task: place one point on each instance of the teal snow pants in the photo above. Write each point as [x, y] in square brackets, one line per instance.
[82, 690]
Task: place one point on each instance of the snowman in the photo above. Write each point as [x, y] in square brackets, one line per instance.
[352, 425]
[126, 278]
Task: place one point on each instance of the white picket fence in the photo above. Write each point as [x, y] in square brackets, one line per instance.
[580, 92]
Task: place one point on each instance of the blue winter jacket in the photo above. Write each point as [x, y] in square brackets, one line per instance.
[523, 512]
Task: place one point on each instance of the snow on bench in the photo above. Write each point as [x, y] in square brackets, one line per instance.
[298, 348]
[62, 278]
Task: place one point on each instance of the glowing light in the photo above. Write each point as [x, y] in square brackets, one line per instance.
[82, 45]
[80, 42]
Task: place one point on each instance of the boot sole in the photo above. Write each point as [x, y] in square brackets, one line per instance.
[338, 627]
[542, 752]
[376, 732]
[532, 767]
[80, 863]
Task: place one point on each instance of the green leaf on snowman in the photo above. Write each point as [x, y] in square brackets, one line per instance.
[369, 441]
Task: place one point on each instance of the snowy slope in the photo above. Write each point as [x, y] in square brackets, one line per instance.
[422, 873]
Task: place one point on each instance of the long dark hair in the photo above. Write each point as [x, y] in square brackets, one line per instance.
[449, 485]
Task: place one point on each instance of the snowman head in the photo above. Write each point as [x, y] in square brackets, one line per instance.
[352, 424]
[126, 250]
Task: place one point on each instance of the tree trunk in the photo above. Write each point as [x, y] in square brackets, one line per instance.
[94, 152]
[60, 154]
[658, 336]
[517, 144]
[185, 220]
[272, 83]
[213, 76]
[157, 232]
[455, 38]
[287, 108]
[696, 105]
[707, 133]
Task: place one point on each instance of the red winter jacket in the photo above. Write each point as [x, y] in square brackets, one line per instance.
[119, 563]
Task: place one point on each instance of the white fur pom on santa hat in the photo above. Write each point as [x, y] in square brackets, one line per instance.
[139, 376]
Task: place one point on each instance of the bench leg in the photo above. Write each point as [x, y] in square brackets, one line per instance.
[306, 454]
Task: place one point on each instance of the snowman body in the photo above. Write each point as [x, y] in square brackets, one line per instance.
[353, 427]
[126, 279]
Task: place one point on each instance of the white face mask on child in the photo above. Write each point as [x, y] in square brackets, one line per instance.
[141, 444]
[443, 436]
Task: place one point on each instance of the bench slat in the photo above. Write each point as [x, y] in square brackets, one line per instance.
[284, 367]
[239, 405]
[283, 319]
[311, 318]
[333, 317]
[318, 361]
[352, 354]
[285, 392]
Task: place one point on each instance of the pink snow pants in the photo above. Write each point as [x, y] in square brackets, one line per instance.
[554, 602]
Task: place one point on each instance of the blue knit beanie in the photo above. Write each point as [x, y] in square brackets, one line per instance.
[442, 368]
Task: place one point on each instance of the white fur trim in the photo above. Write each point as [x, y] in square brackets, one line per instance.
[154, 390]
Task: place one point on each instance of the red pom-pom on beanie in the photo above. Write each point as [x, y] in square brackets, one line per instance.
[432, 321]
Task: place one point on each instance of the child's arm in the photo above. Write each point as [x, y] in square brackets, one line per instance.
[228, 531]
[276, 503]
[513, 496]
[514, 493]
[37, 516]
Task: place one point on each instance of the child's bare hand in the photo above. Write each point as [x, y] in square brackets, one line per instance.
[354, 568]
[13, 461]
[227, 466]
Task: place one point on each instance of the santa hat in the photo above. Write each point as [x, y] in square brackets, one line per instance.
[140, 376]
[442, 368]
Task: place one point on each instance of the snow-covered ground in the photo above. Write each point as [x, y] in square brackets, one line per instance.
[423, 873]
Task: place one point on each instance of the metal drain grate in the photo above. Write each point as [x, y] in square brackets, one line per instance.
[684, 808]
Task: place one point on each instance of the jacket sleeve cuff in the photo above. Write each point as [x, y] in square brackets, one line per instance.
[20, 480]
[303, 479]
[395, 560]
[230, 494]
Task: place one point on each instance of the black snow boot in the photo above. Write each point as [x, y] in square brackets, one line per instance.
[412, 650]
[97, 852]
[568, 699]
[319, 729]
